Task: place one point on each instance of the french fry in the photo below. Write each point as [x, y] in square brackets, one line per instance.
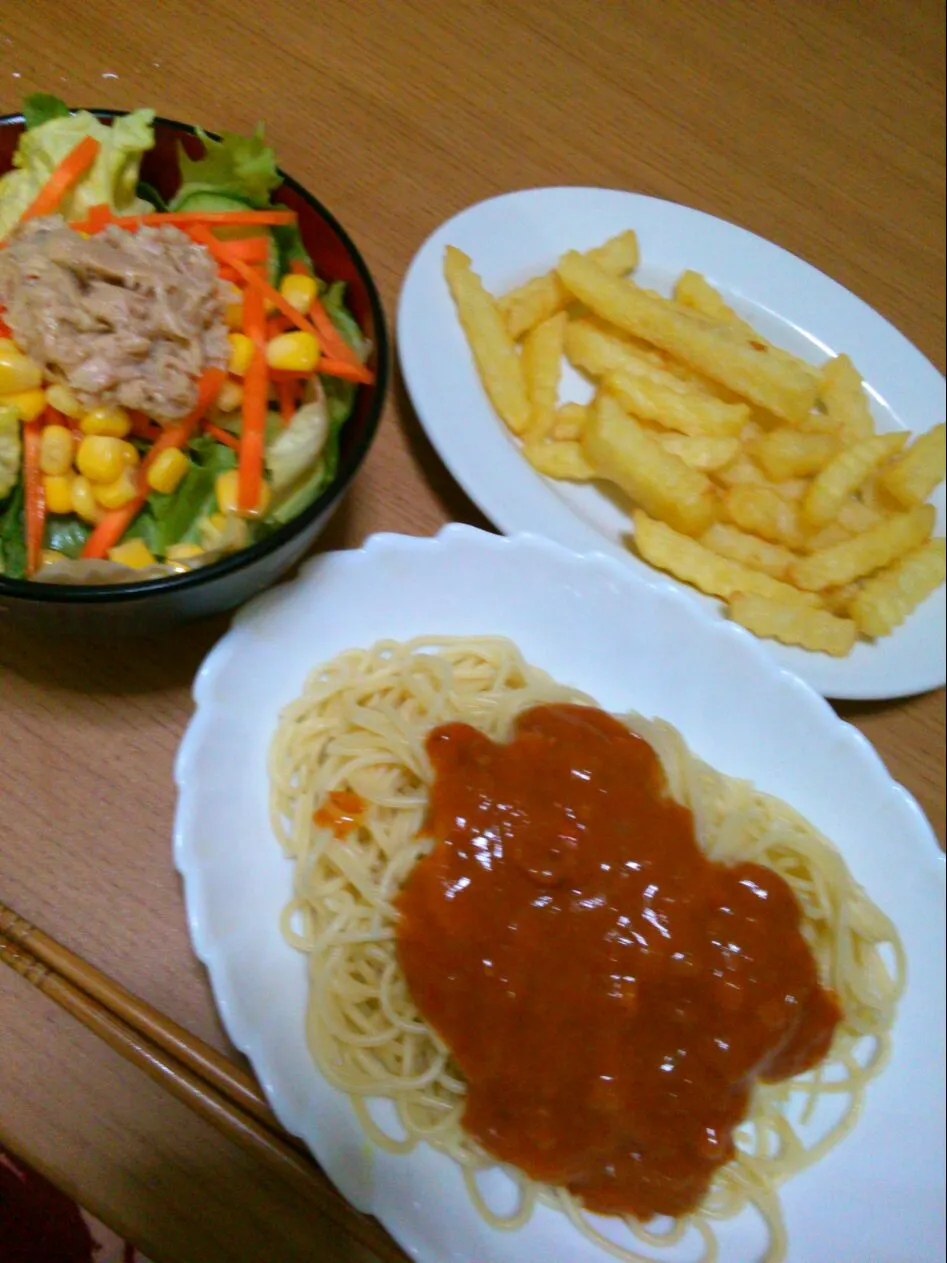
[563, 460]
[570, 421]
[494, 353]
[763, 511]
[690, 414]
[528, 305]
[792, 489]
[749, 550]
[817, 630]
[597, 348]
[542, 365]
[819, 422]
[686, 559]
[844, 474]
[621, 450]
[874, 495]
[693, 290]
[839, 600]
[788, 453]
[873, 549]
[916, 473]
[706, 452]
[844, 399]
[770, 378]
[826, 538]
[742, 472]
[854, 516]
[886, 599]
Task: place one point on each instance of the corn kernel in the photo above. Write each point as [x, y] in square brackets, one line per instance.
[183, 552]
[57, 491]
[169, 468]
[17, 371]
[293, 352]
[233, 316]
[299, 291]
[230, 396]
[101, 458]
[106, 419]
[56, 449]
[84, 502]
[112, 495]
[49, 556]
[241, 353]
[226, 489]
[29, 403]
[130, 455]
[134, 553]
[63, 400]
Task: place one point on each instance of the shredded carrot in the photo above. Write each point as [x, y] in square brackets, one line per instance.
[35, 499]
[250, 249]
[228, 440]
[182, 219]
[143, 427]
[299, 268]
[5, 330]
[99, 216]
[253, 429]
[328, 367]
[72, 168]
[276, 325]
[287, 394]
[117, 521]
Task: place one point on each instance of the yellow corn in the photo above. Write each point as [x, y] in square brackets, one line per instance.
[106, 419]
[230, 396]
[102, 458]
[112, 495]
[299, 291]
[241, 353]
[168, 470]
[17, 371]
[49, 555]
[233, 316]
[56, 449]
[28, 403]
[63, 400]
[226, 491]
[183, 552]
[293, 352]
[134, 553]
[57, 492]
[130, 455]
[84, 502]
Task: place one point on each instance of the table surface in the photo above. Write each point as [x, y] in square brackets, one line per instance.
[817, 126]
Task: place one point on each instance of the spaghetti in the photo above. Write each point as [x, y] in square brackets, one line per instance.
[349, 794]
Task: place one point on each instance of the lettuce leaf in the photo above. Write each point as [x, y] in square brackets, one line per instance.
[40, 107]
[174, 518]
[242, 167]
[67, 535]
[112, 178]
[13, 535]
[334, 302]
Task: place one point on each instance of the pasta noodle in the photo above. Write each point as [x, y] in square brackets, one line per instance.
[360, 725]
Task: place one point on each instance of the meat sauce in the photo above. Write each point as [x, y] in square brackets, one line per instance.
[610, 994]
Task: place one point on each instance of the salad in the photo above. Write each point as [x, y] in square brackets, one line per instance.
[173, 376]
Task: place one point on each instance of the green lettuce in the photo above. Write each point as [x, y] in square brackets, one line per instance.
[238, 167]
[174, 518]
[40, 107]
[13, 535]
[112, 178]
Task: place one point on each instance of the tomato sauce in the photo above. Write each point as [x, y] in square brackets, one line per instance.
[610, 994]
[341, 812]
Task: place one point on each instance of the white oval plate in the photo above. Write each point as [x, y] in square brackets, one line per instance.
[631, 642]
[519, 235]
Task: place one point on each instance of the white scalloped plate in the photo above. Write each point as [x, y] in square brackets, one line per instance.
[519, 235]
[632, 642]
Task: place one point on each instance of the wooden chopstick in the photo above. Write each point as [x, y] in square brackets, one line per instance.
[179, 1062]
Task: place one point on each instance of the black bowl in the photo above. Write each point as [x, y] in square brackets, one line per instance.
[123, 608]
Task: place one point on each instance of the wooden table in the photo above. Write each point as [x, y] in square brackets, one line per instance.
[817, 126]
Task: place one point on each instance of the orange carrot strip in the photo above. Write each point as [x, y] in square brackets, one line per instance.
[328, 367]
[117, 521]
[286, 393]
[276, 325]
[250, 249]
[5, 330]
[253, 429]
[299, 268]
[143, 427]
[335, 346]
[72, 168]
[181, 219]
[228, 440]
[35, 499]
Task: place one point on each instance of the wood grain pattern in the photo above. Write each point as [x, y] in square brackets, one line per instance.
[818, 126]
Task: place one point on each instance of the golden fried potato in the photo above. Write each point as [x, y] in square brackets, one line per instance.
[749, 550]
[886, 599]
[844, 400]
[763, 511]
[788, 453]
[742, 472]
[827, 537]
[913, 477]
[494, 352]
[686, 559]
[563, 460]
[570, 421]
[597, 348]
[871, 550]
[693, 290]
[855, 516]
[768, 377]
[845, 474]
[817, 630]
[706, 452]
[839, 600]
[528, 305]
[692, 414]
[542, 366]
[623, 451]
